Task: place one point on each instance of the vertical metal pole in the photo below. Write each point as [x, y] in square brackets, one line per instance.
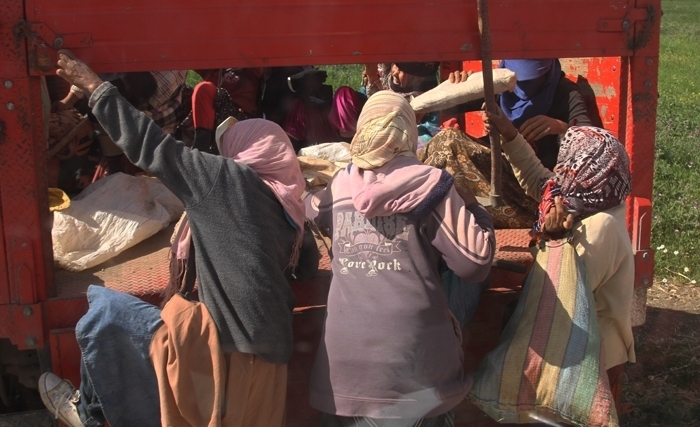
[494, 137]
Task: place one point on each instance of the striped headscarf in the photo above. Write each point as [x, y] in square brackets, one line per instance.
[386, 177]
[592, 174]
[386, 129]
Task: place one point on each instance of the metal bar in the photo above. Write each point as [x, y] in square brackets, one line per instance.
[491, 107]
[641, 97]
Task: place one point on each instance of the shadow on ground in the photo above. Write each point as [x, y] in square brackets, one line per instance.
[664, 385]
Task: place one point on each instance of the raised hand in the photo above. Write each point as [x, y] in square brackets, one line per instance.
[459, 76]
[76, 72]
[501, 123]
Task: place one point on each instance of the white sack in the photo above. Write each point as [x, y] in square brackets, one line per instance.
[110, 216]
[447, 95]
[334, 152]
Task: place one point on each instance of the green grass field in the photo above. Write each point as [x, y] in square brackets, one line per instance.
[676, 223]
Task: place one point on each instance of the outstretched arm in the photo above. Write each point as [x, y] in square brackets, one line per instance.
[189, 174]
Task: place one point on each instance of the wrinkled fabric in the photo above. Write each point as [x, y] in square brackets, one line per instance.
[444, 420]
[385, 176]
[264, 147]
[118, 383]
[470, 164]
[347, 104]
[397, 187]
[603, 243]
[534, 92]
[593, 170]
[308, 123]
[386, 129]
[242, 236]
[189, 366]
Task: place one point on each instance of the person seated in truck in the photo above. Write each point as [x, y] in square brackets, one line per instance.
[593, 179]
[542, 107]
[409, 79]
[390, 348]
[298, 99]
[246, 223]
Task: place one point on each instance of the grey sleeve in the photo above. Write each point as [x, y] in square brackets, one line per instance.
[189, 174]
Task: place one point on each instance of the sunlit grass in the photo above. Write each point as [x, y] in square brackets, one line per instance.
[676, 224]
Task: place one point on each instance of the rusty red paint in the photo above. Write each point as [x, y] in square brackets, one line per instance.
[22, 191]
[267, 33]
[23, 325]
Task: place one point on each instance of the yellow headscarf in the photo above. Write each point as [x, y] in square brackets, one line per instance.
[386, 129]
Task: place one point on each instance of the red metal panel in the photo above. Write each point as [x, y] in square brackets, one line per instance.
[599, 81]
[641, 99]
[12, 64]
[65, 354]
[179, 34]
[23, 198]
[23, 191]
[23, 325]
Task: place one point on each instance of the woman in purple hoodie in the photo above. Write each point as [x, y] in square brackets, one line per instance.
[391, 352]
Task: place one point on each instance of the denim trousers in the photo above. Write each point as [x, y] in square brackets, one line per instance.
[118, 382]
[462, 296]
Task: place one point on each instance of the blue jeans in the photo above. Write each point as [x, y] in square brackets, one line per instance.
[462, 296]
[118, 382]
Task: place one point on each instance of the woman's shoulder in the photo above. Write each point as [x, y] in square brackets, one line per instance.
[606, 226]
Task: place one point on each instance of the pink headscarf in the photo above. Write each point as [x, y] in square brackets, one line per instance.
[265, 148]
[347, 104]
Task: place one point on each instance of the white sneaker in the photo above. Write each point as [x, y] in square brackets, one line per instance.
[60, 398]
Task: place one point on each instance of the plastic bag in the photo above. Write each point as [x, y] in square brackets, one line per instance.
[110, 216]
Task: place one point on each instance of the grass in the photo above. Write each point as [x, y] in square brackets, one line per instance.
[344, 75]
[676, 223]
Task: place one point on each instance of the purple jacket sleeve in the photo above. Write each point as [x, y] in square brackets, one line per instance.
[464, 236]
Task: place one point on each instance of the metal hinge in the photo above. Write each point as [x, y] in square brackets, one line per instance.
[626, 25]
[40, 34]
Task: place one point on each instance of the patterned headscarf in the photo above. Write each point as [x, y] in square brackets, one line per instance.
[386, 129]
[386, 177]
[592, 174]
